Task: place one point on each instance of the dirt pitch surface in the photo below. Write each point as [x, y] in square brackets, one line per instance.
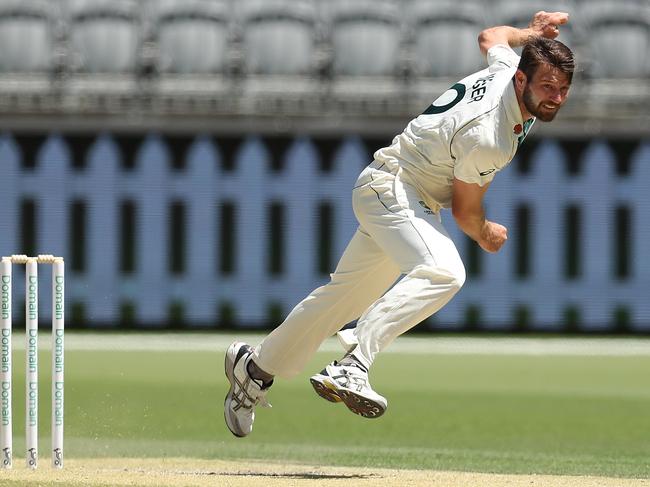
[190, 472]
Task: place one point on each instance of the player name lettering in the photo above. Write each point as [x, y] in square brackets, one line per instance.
[479, 88]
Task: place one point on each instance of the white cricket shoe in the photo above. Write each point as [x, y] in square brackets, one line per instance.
[245, 392]
[349, 384]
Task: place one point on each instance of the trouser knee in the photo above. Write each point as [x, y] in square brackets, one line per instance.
[451, 277]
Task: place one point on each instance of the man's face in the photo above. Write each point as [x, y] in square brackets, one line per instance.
[546, 92]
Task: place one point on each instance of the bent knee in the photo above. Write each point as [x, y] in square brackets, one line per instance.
[452, 276]
[459, 277]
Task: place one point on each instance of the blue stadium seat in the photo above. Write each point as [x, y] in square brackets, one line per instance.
[278, 36]
[192, 35]
[366, 37]
[619, 38]
[445, 37]
[27, 36]
[104, 35]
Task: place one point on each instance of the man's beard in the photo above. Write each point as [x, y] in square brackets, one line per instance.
[536, 109]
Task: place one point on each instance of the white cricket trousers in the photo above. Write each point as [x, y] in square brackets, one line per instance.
[397, 235]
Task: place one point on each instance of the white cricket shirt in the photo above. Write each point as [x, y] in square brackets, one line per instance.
[470, 132]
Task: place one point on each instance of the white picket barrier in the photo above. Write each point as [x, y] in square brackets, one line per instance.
[203, 185]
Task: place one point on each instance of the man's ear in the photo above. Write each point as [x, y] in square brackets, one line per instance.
[520, 79]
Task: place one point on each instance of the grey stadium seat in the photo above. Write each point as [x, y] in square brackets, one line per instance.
[445, 37]
[365, 36]
[26, 36]
[104, 35]
[619, 38]
[278, 36]
[192, 35]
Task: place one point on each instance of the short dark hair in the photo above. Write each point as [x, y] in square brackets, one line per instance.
[540, 50]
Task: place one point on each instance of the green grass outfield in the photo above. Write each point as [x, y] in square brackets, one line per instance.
[491, 405]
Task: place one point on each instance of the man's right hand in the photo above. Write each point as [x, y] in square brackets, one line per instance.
[493, 236]
[545, 24]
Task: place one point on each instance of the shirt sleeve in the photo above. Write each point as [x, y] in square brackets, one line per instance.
[501, 56]
[476, 162]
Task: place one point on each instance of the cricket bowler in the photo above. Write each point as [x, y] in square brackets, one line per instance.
[401, 266]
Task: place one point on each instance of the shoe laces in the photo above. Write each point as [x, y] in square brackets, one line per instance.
[246, 396]
[261, 397]
[263, 402]
[350, 377]
[350, 359]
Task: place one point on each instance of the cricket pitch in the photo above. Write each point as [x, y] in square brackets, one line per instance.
[100, 472]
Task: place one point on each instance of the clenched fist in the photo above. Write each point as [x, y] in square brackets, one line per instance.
[493, 236]
[545, 24]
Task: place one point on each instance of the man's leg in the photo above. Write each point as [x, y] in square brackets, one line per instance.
[393, 215]
[361, 276]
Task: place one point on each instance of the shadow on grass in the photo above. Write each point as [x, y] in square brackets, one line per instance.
[306, 476]
[294, 475]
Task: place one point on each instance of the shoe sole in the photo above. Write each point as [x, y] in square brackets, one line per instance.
[229, 366]
[356, 403]
[361, 405]
[324, 390]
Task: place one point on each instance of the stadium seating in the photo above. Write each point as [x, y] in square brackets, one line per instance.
[619, 38]
[368, 63]
[445, 35]
[381, 57]
[31, 57]
[104, 39]
[365, 37]
[189, 47]
[280, 50]
[27, 36]
[192, 36]
[104, 35]
[278, 36]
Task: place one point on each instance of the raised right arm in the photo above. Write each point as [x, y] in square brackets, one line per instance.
[543, 24]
